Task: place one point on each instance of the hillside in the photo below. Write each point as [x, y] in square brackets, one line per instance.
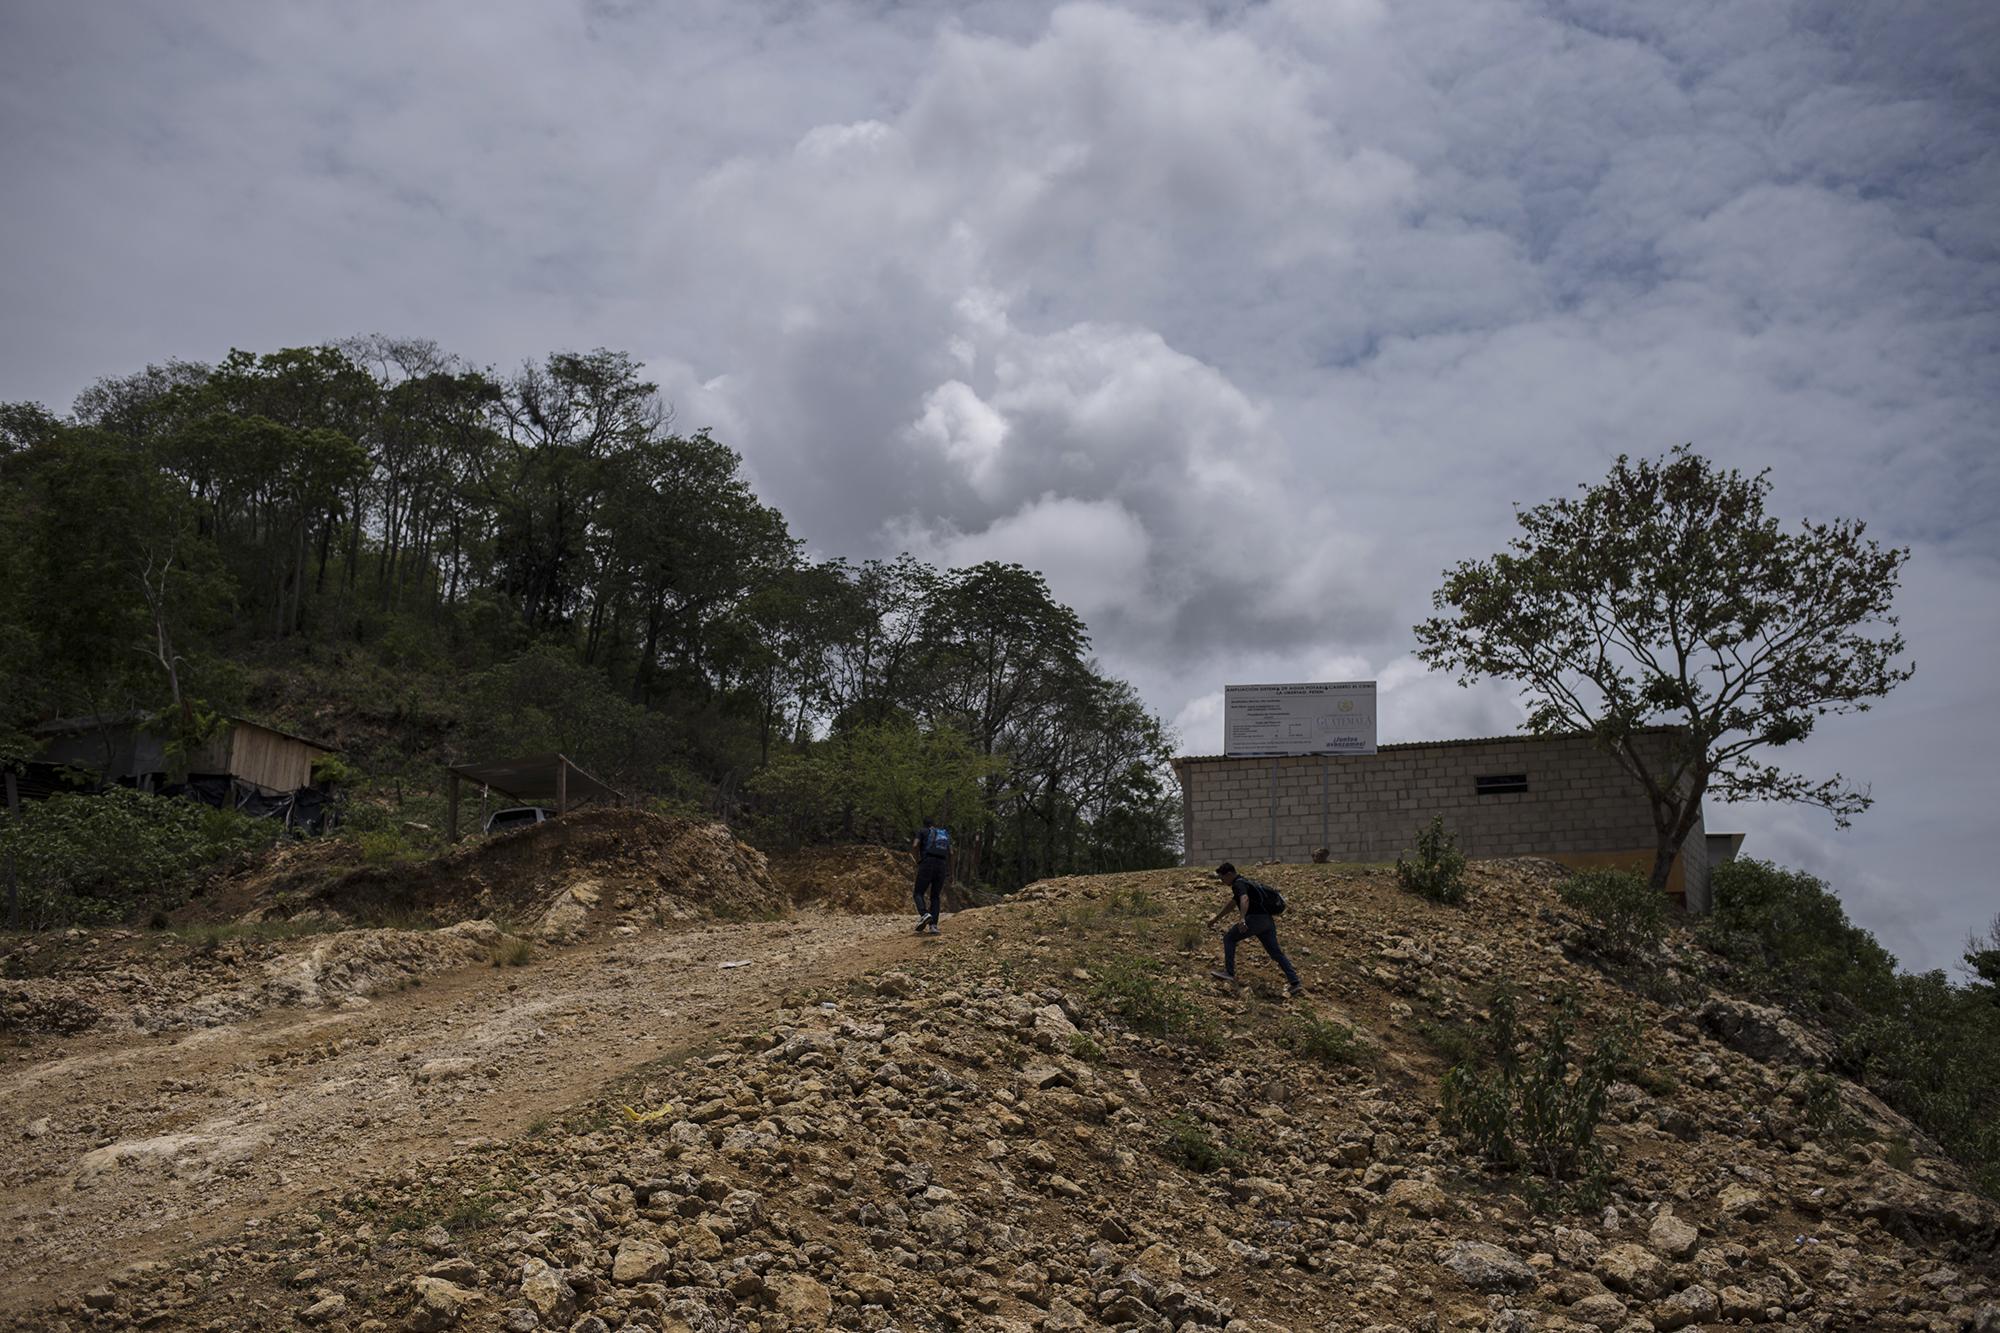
[852, 1126]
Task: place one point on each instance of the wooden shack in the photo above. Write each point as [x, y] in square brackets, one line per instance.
[122, 752]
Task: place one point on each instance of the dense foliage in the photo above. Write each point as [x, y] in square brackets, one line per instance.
[1929, 1048]
[424, 561]
[91, 858]
[1664, 613]
[1628, 914]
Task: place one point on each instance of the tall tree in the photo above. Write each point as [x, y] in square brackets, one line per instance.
[1665, 596]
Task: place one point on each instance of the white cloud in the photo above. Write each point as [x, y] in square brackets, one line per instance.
[1242, 321]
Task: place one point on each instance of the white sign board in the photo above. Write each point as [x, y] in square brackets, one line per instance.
[1330, 717]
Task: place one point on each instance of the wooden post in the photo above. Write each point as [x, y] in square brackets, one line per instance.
[562, 785]
[451, 811]
[13, 888]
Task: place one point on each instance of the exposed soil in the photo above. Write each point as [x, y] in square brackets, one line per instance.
[128, 1147]
[855, 878]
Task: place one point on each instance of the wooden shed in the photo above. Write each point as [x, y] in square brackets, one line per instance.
[121, 750]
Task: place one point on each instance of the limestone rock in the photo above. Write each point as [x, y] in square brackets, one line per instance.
[548, 1290]
[1418, 1198]
[1672, 1237]
[440, 1304]
[639, 1261]
[324, 1311]
[1762, 1033]
[1633, 1270]
[1487, 1267]
[801, 1299]
[1691, 1305]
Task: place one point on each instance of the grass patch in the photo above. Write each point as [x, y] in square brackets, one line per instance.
[1190, 936]
[1137, 902]
[1149, 1001]
[513, 951]
[1454, 1041]
[1084, 1047]
[1189, 1143]
[1328, 1043]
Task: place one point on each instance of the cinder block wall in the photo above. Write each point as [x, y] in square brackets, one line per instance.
[1580, 806]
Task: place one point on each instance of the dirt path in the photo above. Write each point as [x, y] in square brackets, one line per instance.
[153, 1145]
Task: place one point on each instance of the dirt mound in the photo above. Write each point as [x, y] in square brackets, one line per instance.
[1129, 1147]
[557, 878]
[158, 984]
[863, 879]
[328, 970]
[858, 879]
[289, 872]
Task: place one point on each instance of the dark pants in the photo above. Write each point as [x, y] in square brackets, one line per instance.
[930, 874]
[1265, 931]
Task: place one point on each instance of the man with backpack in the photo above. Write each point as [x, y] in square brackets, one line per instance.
[1258, 905]
[933, 848]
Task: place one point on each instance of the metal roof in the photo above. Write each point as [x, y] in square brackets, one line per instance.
[534, 779]
[70, 726]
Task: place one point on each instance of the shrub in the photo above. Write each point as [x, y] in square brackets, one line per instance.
[1528, 1101]
[1928, 1048]
[1630, 915]
[1438, 872]
[1189, 1143]
[83, 859]
[1794, 940]
[1329, 1043]
[382, 847]
[1151, 1002]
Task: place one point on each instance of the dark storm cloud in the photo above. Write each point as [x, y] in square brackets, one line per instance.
[1240, 321]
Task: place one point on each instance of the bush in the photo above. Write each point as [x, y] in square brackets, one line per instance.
[1795, 942]
[1151, 1002]
[87, 859]
[1926, 1047]
[1527, 1101]
[1630, 915]
[1438, 872]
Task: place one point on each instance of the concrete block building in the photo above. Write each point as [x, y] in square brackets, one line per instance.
[1563, 797]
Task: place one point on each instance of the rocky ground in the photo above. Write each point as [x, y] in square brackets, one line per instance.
[867, 1129]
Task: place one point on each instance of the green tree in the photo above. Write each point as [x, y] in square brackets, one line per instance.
[1665, 596]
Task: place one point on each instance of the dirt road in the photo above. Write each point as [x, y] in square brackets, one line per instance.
[131, 1148]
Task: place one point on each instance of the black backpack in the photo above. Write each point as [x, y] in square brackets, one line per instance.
[1264, 900]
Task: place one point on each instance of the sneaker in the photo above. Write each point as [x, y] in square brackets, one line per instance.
[923, 919]
[934, 927]
[1296, 989]
[1220, 975]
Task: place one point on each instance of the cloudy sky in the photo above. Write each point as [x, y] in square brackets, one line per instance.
[1241, 321]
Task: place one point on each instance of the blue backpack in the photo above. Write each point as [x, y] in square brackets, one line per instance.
[937, 841]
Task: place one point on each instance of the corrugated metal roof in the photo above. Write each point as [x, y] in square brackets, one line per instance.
[533, 779]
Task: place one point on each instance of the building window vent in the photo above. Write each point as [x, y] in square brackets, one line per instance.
[1500, 784]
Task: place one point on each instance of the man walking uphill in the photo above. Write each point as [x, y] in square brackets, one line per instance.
[933, 848]
[1258, 905]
